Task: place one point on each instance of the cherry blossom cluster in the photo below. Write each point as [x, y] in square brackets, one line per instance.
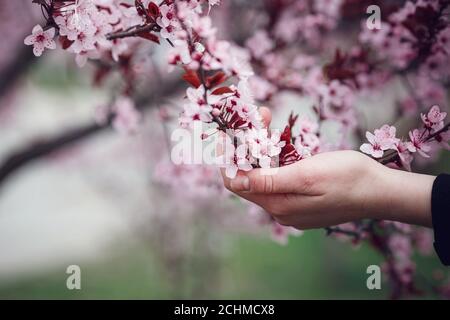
[231, 109]
[82, 27]
[433, 133]
[201, 181]
[415, 38]
[404, 39]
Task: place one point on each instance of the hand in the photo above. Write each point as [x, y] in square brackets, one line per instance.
[336, 187]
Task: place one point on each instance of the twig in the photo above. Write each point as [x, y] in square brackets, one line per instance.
[338, 230]
[392, 157]
[133, 31]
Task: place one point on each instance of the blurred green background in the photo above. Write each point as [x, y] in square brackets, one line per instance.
[310, 267]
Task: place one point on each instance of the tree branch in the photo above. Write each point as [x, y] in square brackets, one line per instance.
[133, 31]
[36, 151]
[392, 157]
[9, 75]
[22, 157]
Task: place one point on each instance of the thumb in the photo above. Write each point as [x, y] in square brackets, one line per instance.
[266, 116]
[275, 180]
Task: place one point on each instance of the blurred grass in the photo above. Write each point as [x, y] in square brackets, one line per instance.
[310, 267]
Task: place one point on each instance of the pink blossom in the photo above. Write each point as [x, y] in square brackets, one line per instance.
[387, 134]
[82, 57]
[418, 144]
[260, 44]
[40, 40]
[167, 15]
[263, 147]
[126, 117]
[443, 139]
[193, 182]
[288, 26]
[436, 66]
[443, 40]
[427, 90]
[234, 159]
[203, 27]
[404, 228]
[306, 125]
[423, 239]
[119, 47]
[279, 233]
[393, 42]
[195, 112]
[180, 54]
[331, 8]
[400, 246]
[404, 154]
[336, 94]
[198, 96]
[409, 106]
[404, 270]
[434, 118]
[83, 42]
[383, 139]
[262, 88]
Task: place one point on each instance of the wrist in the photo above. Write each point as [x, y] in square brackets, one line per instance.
[373, 200]
[402, 196]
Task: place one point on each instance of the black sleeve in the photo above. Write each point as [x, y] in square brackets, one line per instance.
[440, 211]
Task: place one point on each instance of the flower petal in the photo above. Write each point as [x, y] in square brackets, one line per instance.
[37, 29]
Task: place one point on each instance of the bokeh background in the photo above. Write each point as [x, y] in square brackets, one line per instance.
[94, 203]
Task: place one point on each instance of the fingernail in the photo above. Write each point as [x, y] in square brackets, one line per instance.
[240, 183]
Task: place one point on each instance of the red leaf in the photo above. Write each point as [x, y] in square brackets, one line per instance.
[100, 75]
[126, 5]
[153, 9]
[286, 135]
[149, 36]
[292, 119]
[289, 155]
[65, 43]
[222, 90]
[140, 8]
[192, 77]
[216, 79]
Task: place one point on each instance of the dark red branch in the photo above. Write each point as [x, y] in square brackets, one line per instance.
[133, 31]
[40, 149]
[35, 151]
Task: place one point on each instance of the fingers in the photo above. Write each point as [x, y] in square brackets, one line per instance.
[288, 209]
[259, 199]
[266, 115]
[268, 181]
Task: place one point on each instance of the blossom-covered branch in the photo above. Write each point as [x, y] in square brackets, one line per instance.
[433, 133]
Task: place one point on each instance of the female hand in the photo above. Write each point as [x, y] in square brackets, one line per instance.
[336, 187]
